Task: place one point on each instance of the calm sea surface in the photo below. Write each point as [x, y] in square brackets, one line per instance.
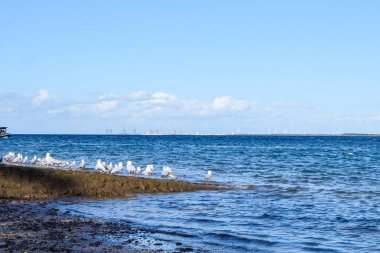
[311, 194]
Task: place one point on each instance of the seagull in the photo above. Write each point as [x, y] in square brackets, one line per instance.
[138, 171]
[9, 157]
[82, 165]
[42, 162]
[173, 176]
[117, 168]
[100, 166]
[109, 167]
[166, 170]
[72, 165]
[25, 160]
[51, 161]
[17, 159]
[39, 161]
[34, 160]
[130, 168]
[6, 157]
[149, 170]
[209, 175]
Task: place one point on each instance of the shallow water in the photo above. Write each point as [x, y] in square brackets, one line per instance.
[311, 194]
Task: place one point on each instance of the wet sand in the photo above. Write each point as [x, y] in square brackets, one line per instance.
[35, 226]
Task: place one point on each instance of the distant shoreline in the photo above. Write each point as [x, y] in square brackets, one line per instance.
[240, 134]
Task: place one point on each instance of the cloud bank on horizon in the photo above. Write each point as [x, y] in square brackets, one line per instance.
[47, 112]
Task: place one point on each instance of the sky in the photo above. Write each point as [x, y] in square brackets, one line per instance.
[208, 66]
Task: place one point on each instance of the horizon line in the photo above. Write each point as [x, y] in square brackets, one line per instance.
[208, 134]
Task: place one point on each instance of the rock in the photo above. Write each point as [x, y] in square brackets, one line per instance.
[186, 249]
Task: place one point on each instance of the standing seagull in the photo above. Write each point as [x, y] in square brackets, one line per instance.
[100, 166]
[25, 160]
[72, 165]
[51, 161]
[34, 160]
[82, 165]
[9, 157]
[149, 170]
[130, 168]
[166, 171]
[117, 168]
[138, 171]
[209, 175]
[17, 159]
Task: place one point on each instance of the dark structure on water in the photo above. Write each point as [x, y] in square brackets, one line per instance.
[3, 133]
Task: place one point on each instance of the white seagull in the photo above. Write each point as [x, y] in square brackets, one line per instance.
[149, 170]
[82, 165]
[209, 175]
[41, 162]
[109, 167]
[9, 157]
[138, 171]
[166, 171]
[72, 165]
[25, 160]
[51, 161]
[130, 168]
[173, 176]
[117, 168]
[34, 160]
[17, 159]
[100, 166]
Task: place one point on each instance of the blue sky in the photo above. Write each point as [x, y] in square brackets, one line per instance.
[207, 66]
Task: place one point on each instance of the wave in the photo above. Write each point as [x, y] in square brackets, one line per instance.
[245, 187]
[227, 236]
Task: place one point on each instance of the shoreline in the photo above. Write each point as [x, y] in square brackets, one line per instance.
[29, 221]
[35, 225]
[30, 225]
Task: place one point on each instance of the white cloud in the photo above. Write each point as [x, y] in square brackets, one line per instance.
[289, 105]
[162, 97]
[138, 96]
[107, 96]
[375, 117]
[107, 105]
[156, 108]
[144, 105]
[42, 96]
[229, 103]
[54, 111]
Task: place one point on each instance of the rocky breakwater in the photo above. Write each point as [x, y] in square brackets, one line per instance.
[33, 182]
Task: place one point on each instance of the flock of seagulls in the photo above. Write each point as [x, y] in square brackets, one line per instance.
[101, 166]
[48, 161]
[109, 169]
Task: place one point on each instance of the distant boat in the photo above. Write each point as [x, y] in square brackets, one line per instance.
[3, 133]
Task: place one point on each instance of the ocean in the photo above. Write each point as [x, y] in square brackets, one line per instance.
[290, 194]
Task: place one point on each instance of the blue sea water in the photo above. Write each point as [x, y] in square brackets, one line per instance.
[310, 194]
